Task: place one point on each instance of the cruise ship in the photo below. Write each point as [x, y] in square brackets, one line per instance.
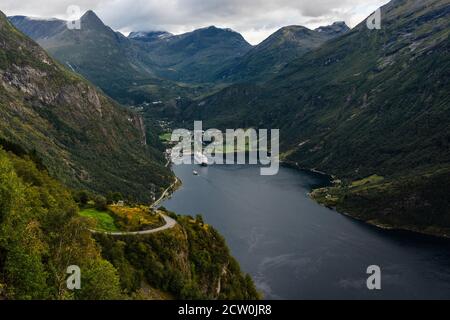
[201, 159]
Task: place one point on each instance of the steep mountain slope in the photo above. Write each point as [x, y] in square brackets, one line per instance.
[386, 91]
[82, 137]
[369, 102]
[273, 54]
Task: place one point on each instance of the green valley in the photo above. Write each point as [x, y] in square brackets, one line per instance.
[86, 121]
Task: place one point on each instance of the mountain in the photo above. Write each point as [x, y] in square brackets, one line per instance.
[196, 56]
[371, 103]
[273, 54]
[144, 67]
[98, 53]
[105, 57]
[82, 137]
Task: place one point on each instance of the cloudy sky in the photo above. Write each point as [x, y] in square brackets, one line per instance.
[255, 19]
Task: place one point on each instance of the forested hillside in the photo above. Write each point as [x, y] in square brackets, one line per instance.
[42, 234]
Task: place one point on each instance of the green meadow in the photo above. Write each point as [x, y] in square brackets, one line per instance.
[104, 220]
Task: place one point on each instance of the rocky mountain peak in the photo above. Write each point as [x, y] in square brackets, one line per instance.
[91, 19]
[336, 29]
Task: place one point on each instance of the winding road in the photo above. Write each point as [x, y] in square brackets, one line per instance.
[170, 223]
[164, 194]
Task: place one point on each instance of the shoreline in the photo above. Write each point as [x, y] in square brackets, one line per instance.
[441, 234]
[436, 233]
[296, 166]
[410, 229]
[167, 193]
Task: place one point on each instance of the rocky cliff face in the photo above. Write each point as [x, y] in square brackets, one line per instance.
[139, 124]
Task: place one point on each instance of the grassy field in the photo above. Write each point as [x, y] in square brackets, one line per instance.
[165, 137]
[367, 182]
[104, 220]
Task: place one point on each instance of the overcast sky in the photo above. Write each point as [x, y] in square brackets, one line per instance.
[254, 19]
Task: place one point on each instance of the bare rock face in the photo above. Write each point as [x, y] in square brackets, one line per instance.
[140, 125]
[334, 30]
[29, 81]
[94, 100]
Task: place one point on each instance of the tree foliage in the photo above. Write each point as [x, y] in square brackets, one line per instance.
[41, 235]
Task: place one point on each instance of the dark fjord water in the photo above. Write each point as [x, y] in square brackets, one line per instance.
[296, 249]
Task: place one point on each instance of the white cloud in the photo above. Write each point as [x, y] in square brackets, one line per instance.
[255, 19]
